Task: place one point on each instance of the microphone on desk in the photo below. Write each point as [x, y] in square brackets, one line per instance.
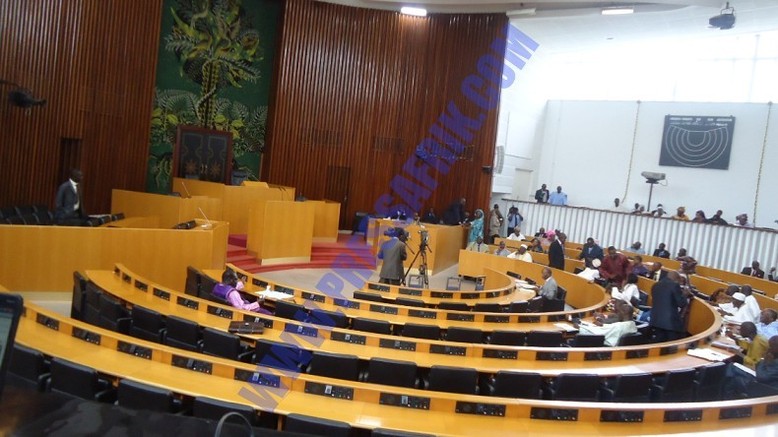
[185, 189]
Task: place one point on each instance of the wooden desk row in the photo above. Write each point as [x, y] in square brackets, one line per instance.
[581, 295]
[654, 358]
[366, 405]
[402, 314]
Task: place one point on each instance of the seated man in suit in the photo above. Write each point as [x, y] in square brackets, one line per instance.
[754, 270]
[549, 289]
[69, 206]
[227, 290]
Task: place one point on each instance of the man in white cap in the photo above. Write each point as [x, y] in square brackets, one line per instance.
[736, 312]
[591, 273]
[521, 254]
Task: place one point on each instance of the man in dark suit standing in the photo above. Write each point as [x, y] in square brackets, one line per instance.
[668, 299]
[69, 205]
[556, 254]
[754, 270]
[541, 195]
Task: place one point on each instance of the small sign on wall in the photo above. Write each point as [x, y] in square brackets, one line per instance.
[697, 141]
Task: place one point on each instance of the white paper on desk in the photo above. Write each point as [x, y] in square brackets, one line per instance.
[566, 326]
[707, 354]
[745, 369]
[274, 295]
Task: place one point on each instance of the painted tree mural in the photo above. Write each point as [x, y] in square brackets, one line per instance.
[212, 73]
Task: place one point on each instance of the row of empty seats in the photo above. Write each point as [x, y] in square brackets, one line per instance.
[63, 376]
[40, 215]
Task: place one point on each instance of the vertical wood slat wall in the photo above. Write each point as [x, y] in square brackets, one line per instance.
[360, 88]
[95, 63]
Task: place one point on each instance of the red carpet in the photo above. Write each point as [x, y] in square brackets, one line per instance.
[344, 254]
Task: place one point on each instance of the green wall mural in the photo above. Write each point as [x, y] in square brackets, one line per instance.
[214, 71]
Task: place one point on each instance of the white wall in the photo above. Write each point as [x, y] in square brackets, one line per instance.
[587, 145]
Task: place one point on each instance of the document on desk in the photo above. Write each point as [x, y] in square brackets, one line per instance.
[273, 295]
[565, 327]
[745, 369]
[707, 354]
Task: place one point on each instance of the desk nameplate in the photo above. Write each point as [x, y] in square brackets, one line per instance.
[328, 390]
[398, 400]
[397, 344]
[87, 336]
[221, 312]
[134, 349]
[348, 338]
[259, 378]
[192, 364]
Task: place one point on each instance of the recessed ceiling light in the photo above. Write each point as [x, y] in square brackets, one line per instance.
[419, 12]
[618, 11]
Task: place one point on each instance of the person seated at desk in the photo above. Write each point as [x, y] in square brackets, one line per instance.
[655, 272]
[736, 312]
[768, 323]
[521, 254]
[478, 245]
[536, 246]
[629, 293]
[591, 273]
[516, 235]
[623, 325]
[754, 270]
[637, 267]
[752, 344]
[752, 306]
[502, 250]
[228, 290]
[549, 289]
[738, 382]
[69, 203]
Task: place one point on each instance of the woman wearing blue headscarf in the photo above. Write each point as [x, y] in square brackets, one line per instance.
[476, 226]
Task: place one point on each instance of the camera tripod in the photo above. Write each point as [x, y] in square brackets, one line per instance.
[422, 267]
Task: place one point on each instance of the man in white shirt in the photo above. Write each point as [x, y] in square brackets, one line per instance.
[478, 245]
[613, 331]
[768, 323]
[521, 254]
[516, 235]
[736, 312]
[752, 306]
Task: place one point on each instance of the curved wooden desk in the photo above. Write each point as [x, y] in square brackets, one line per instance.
[653, 358]
[401, 314]
[191, 374]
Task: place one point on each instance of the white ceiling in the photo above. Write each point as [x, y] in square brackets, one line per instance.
[564, 25]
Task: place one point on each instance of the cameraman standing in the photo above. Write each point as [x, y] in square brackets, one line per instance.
[393, 253]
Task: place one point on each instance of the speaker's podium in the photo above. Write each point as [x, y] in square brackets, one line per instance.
[280, 232]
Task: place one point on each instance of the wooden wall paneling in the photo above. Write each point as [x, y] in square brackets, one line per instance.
[94, 61]
[360, 88]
